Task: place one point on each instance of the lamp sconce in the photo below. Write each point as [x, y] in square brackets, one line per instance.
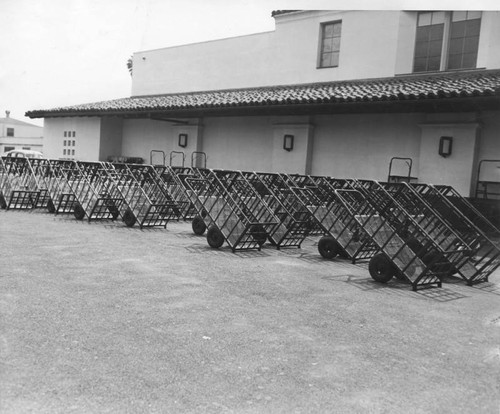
[288, 142]
[183, 140]
[445, 146]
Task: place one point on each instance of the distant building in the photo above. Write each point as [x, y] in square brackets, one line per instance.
[328, 92]
[15, 134]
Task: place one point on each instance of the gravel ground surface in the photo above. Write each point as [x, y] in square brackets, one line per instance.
[101, 318]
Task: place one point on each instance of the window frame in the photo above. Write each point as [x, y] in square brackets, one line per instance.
[321, 43]
[444, 64]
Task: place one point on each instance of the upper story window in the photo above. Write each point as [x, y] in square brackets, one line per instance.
[10, 132]
[329, 48]
[446, 40]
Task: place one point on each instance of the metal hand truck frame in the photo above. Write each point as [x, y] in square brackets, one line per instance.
[62, 199]
[396, 256]
[226, 218]
[437, 244]
[173, 179]
[95, 193]
[294, 222]
[342, 235]
[146, 201]
[485, 258]
[18, 186]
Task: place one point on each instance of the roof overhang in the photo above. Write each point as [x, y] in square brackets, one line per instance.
[441, 92]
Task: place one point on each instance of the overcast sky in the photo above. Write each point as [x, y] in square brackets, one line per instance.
[64, 52]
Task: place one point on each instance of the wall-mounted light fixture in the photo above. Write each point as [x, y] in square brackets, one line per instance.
[288, 142]
[183, 140]
[445, 146]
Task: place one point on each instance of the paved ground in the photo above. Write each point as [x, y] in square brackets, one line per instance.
[100, 318]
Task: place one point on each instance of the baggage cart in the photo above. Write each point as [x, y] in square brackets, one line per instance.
[173, 178]
[342, 234]
[485, 258]
[433, 240]
[228, 218]
[294, 218]
[95, 195]
[396, 255]
[18, 186]
[146, 200]
[40, 168]
[61, 197]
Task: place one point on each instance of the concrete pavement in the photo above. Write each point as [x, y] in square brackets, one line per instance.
[101, 318]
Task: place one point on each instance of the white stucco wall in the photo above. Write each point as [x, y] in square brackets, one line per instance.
[361, 145]
[488, 55]
[111, 138]
[238, 143]
[142, 136]
[457, 169]
[88, 132]
[24, 136]
[373, 44]
[288, 55]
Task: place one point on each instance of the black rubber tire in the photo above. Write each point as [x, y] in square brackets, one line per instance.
[78, 212]
[129, 218]
[50, 207]
[215, 238]
[381, 269]
[258, 233]
[328, 247]
[198, 225]
[3, 204]
[114, 212]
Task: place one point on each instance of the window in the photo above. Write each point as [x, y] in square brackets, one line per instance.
[26, 148]
[8, 149]
[330, 44]
[446, 40]
[10, 132]
[464, 40]
[67, 143]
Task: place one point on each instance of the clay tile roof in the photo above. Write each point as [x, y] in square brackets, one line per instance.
[275, 13]
[462, 85]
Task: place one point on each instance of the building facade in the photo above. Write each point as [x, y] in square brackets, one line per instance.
[339, 93]
[19, 135]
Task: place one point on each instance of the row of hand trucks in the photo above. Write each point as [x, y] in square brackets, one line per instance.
[415, 232]
[92, 190]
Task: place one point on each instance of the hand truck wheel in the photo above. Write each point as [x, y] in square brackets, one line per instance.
[114, 212]
[328, 247]
[50, 207]
[78, 211]
[3, 204]
[198, 225]
[215, 238]
[258, 233]
[129, 218]
[381, 268]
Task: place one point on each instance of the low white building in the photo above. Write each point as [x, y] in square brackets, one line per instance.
[347, 91]
[15, 134]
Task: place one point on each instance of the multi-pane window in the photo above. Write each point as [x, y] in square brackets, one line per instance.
[429, 42]
[464, 39]
[330, 44]
[10, 132]
[69, 144]
[446, 40]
